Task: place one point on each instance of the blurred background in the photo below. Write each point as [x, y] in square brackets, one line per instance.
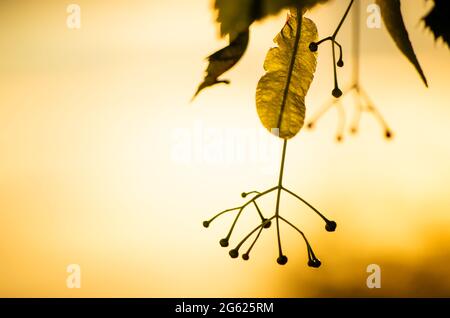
[91, 126]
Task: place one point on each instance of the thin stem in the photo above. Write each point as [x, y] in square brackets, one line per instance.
[324, 39]
[325, 107]
[259, 195]
[244, 194]
[363, 103]
[301, 233]
[242, 208]
[283, 157]
[259, 211]
[223, 212]
[334, 67]
[280, 186]
[254, 241]
[234, 224]
[311, 256]
[342, 20]
[251, 233]
[371, 108]
[321, 112]
[340, 50]
[309, 205]
[356, 41]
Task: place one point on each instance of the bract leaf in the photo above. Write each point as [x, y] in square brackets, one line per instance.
[280, 95]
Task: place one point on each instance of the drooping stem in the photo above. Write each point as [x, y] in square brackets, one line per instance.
[242, 208]
[307, 204]
[336, 86]
[356, 42]
[283, 157]
[280, 186]
[259, 211]
[251, 233]
[343, 19]
[282, 259]
[247, 254]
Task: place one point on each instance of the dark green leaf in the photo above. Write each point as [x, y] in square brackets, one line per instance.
[392, 17]
[437, 20]
[223, 60]
[236, 16]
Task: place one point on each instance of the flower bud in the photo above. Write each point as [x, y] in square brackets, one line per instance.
[224, 242]
[282, 260]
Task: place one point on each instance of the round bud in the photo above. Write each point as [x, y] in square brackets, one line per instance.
[224, 242]
[310, 125]
[313, 47]
[388, 134]
[353, 130]
[336, 92]
[245, 257]
[340, 63]
[233, 253]
[331, 226]
[205, 223]
[314, 263]
[338, 138]
[243, 194]
[267, 225]
[282, 260]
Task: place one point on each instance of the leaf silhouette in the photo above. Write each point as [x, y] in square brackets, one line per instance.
[436, 21]
[290, 67]
[392, 17]
[235, 16]
[223, 60]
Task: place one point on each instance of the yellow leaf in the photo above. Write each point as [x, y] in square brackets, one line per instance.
[290, 67]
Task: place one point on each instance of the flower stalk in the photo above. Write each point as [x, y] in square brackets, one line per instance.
[362, 100]
[282, 259]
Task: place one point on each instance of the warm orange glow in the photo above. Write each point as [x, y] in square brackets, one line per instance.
[87, 129]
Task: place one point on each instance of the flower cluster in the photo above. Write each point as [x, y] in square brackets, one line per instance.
[266, 223]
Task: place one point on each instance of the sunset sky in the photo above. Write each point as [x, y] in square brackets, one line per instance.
[91, 122]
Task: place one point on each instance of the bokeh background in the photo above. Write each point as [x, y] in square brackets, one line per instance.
[89, 120]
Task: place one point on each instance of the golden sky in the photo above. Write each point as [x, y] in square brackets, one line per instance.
[90, 118]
